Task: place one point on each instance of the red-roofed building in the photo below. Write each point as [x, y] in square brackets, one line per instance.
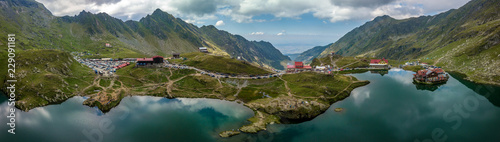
[122, 65]
[379, 63]
[149, 61]
[144, 61]
[430, 76]
[298, 67]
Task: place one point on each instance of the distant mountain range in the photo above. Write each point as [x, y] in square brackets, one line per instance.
[466, 40]
[157, 34]
[312, 53]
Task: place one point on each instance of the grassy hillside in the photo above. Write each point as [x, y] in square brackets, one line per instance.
[46, 77]
[220, 64]
[260, 52]
[157, 34]
[465, 40]
[341, 62]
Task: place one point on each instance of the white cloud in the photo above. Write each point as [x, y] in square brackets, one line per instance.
[219, 23]
[190, 21]
[257, 33]
[244, 11]
[398, 11]
[282, 33]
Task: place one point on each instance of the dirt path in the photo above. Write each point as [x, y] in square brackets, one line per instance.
[170, 84]
[345, 89]
[287, 88]
[332, 61]
[96, 81]
[220, 83]
[240, 86]
[171, 73]
[350, 64]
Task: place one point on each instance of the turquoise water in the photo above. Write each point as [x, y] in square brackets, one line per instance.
[135, 119]
[390, 108]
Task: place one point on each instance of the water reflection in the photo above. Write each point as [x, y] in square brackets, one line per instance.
[428, 87]
[381, 72]
[401, 76]
[135, 119]
[360, 95]
[390, 108]
[491, 92]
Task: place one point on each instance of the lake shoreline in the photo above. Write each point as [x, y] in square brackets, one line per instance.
[281, 108]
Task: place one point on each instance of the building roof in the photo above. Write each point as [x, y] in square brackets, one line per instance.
[320, 67]
[429, 71]
[307, 67]
[290, 66]
[202, 48]
[144, 59]
[157, 56]
[376, 61]
[122, 65]
[439, 70]
[299, 64]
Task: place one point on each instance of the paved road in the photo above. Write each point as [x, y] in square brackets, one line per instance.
[221, 75]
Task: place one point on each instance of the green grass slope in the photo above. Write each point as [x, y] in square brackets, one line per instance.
[47, 76]
[220, 64]
[465, 40]
[157, 34]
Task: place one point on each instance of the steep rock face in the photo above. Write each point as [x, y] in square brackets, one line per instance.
[464, 40]
[157, 34]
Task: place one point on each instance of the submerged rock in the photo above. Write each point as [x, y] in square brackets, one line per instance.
[230, 133]
[338, 109]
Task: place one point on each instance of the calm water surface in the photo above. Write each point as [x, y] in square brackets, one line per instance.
[390, 108]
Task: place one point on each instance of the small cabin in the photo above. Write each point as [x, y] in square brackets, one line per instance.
[203, 49]
[176, 55]
[379, 63]
[157, 59]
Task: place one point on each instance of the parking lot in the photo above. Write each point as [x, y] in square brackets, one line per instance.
[104, 68]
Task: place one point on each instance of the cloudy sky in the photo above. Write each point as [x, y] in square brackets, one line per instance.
[290, 25]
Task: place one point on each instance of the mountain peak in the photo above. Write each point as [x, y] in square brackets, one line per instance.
[83, 12]
[384, 17]
[158, 12]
